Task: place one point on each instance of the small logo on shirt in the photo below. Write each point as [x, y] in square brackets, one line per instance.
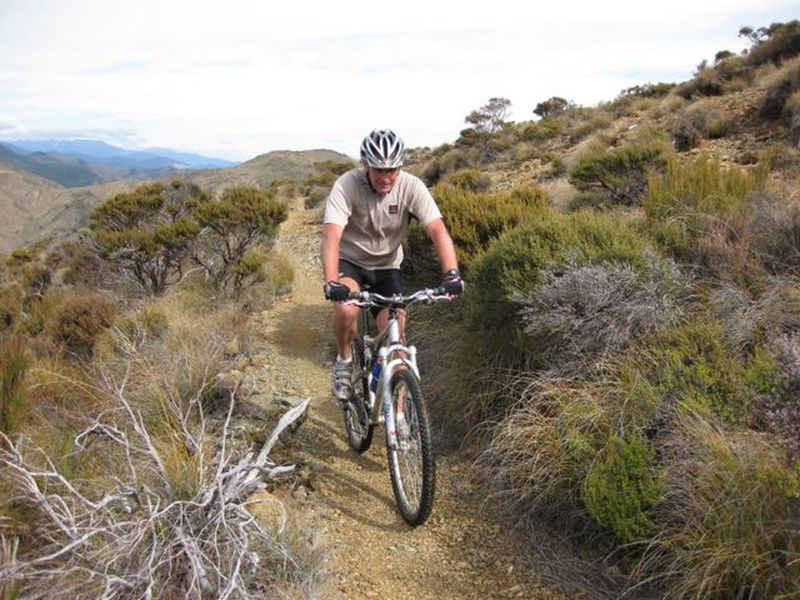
[393, 209]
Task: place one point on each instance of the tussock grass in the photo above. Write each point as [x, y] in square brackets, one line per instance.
[730, 516]
[540, 453]
[697, 210]
[14, 365]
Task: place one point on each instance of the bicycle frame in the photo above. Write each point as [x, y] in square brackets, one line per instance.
[392, 353]
[388, 343]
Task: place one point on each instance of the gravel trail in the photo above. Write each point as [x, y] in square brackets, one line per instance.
[459, 553]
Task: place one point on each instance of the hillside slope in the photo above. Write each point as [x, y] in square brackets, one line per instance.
[35, 207]
[266, 168]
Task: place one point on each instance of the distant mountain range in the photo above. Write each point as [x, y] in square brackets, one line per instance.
[75, 163]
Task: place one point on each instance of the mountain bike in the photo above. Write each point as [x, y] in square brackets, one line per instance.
[386, 389]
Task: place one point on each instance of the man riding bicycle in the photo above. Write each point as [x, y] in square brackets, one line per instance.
[366, 220]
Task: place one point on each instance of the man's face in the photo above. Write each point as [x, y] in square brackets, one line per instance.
[382, 180]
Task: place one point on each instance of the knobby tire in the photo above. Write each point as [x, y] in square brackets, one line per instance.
[412, 466]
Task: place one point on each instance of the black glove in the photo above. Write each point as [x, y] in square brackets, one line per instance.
[452, 285]
[336, 291]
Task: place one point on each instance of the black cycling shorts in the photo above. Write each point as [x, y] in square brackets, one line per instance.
[385, 282]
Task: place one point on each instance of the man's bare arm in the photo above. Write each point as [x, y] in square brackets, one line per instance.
[443, 245]
[331, 236]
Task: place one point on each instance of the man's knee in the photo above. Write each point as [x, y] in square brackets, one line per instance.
[345, 313]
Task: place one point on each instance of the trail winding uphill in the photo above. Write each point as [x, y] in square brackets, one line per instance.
[459, 553]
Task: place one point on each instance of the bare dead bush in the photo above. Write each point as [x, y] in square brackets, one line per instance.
[162, 513]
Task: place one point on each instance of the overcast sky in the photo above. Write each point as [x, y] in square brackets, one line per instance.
[235, 79]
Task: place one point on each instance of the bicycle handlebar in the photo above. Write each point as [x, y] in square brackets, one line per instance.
[426, 296]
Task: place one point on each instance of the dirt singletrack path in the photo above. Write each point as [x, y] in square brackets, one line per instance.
[459, 553]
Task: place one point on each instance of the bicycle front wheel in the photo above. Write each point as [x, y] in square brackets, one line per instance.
[412, 464]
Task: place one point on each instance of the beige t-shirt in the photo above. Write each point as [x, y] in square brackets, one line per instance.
[375, 225]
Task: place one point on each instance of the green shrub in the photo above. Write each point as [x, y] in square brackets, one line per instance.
[146, 234]
[649, 90]
[619, 173]
[707, 81]
[686, 370]
[774, 44]
[473, 220]
[514, 263]
[232, 227]
[552, 107]
[621, 488]
[543, 130]
[471, 180]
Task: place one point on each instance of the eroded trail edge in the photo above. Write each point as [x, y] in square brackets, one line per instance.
[459, 553]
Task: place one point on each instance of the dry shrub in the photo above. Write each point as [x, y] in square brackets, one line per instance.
[775, 226]
[514, 263]
[791, 115]
[778, 403]
[148, 524]
[723, 248]
[279, 273]
[580, 315]
[730, 517]
[700, 120]
[80, 320]
[747, 318]
[780, 86]
[459, 390]
[471, 180]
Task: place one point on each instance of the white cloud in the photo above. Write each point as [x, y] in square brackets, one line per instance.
[240, 78]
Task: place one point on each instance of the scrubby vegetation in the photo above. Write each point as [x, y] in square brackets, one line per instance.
[631, 371]
[124, 468]
[625, 363]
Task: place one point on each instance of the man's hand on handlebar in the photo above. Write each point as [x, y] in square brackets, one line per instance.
[452, 285]
[336, 292]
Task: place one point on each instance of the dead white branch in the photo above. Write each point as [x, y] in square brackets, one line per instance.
[132, 532]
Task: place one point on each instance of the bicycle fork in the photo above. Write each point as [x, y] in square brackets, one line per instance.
[386, 406]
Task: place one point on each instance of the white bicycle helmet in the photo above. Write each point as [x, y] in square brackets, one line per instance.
[382, 149]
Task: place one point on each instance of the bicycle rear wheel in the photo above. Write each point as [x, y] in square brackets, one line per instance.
[412, 465]
[356, 418]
